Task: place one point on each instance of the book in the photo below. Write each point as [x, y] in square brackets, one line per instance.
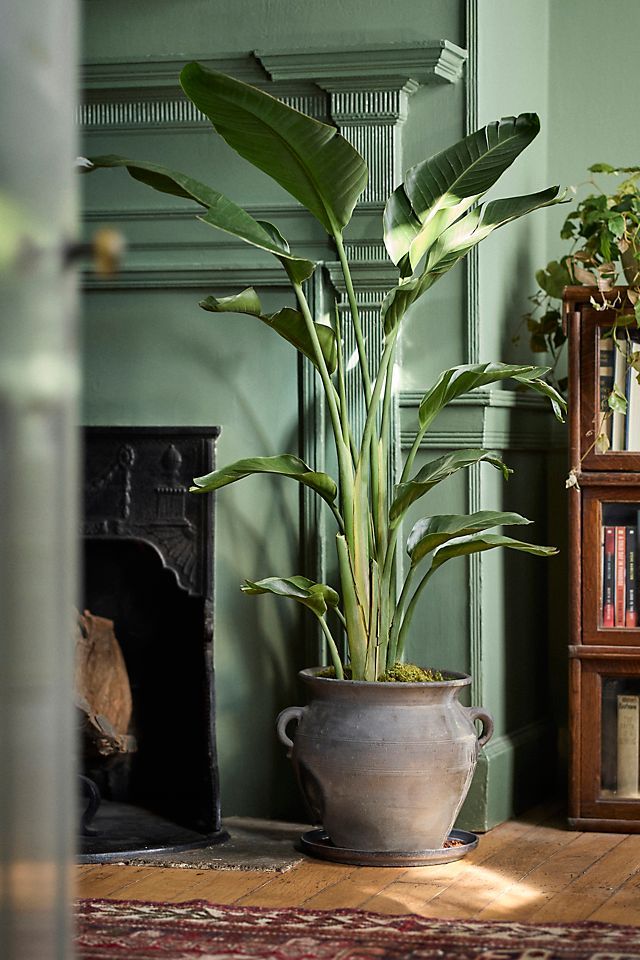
[628, 745]
[607, 355]
[620, 576]
[632, 425]
[608, 577]
[620, 383]
[631, 594]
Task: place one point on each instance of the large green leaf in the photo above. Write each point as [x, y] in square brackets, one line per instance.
[440, 189]
[286, 465]
[488, 541]
[287, 322]
[311, 160]
[432, 532]
[458, 380]
[456, 241]
[221, 212]
[453, 244]
[438, 470]
[317, 596]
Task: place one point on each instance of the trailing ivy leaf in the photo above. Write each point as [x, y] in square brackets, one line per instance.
[488, 541]
[437, 470]
[310, 159]
[317, 596]
[287, 322]
[286, 465]
[458, 380]
[438, 190]
[221, 212]
[432, 532]
[617, 400]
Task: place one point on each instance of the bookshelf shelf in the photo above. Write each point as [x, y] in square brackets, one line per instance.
[604, 526]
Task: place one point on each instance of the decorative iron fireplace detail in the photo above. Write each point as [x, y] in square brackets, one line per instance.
[148, 552]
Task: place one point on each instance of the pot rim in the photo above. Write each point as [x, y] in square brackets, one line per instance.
[456, 679]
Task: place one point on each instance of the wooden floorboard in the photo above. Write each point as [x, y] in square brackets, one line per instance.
[531, 868]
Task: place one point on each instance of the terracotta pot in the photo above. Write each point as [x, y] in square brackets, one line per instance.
[384, 766]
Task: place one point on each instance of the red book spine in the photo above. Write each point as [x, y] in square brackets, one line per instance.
[608, 577]
[621, 575]
[631, 611]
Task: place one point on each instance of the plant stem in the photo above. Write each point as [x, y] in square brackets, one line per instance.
[355, 316]
[365, 376]
[345, 465]
[406, 622]
[335, 656]
[397, 616]
[341, 382]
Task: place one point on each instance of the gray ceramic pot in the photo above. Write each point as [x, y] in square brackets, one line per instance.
[384, 766]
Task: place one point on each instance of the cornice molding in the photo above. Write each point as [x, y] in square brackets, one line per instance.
[369, 67]
[135, 94]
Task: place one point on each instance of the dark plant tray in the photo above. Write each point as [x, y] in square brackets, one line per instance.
[317, 843]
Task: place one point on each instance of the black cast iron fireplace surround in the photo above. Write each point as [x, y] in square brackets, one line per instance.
[148, 566]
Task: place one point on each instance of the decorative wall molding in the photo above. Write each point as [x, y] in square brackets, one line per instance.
[160, 277]
[490, 430]
[426, 61]
[138, 95]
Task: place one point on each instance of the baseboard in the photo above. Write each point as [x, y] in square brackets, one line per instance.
[515, 771]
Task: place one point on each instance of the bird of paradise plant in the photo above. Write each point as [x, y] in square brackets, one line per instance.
[431, 221]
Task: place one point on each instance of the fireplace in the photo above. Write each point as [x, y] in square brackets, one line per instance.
[148, 567]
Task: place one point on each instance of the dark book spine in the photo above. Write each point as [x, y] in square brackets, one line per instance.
[607, 370]
[608, 576]
[631, 613]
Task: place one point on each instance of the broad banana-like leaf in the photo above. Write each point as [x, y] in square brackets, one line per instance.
[286, 465]
[432, 532]
[221, 212]
[310, 159]
[440, 189]
[488, 541]
[287, 322]
[438, 470]
[317, 596]
[454, 382]
[454, 243]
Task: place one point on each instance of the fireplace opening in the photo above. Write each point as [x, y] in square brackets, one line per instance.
[148, 562]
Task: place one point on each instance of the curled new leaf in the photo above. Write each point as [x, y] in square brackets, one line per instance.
[286, 465]
[310, 159]
[317, 596]
[435, 472]
[431, 532]
[287, 322]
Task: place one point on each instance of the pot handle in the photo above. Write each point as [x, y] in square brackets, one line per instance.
[478, 713]
[284, 719]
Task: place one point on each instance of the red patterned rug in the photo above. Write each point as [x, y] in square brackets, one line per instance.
[199, 930]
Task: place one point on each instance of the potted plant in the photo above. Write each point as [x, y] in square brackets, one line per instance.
[604, 230]
[384, 764]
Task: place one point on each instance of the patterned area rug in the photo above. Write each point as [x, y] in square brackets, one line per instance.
[203, 931]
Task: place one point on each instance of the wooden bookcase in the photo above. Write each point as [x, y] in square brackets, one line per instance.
[604, 662]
